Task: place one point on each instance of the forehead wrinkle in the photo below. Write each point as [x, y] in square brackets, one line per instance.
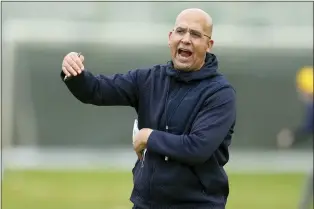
[190, 27]
[197, 16]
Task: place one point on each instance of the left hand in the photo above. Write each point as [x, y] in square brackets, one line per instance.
[140, 141]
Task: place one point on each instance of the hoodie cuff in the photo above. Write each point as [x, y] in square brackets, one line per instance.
[151, 140]
[65, 78]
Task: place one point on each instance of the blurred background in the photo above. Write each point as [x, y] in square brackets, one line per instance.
[60, 153]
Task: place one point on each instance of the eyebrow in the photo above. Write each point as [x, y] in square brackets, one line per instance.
[185, 28]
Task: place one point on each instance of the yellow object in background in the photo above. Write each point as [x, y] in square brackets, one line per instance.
[304, 80]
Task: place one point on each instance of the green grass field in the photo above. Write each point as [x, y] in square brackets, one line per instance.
[111, 190]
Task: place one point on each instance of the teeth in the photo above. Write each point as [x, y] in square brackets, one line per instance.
[185, 50]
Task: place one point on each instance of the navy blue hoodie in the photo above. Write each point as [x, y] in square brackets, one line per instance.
[193, 116]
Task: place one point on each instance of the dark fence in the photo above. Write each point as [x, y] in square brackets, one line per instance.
[264, 80]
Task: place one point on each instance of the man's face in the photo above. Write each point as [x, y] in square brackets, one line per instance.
[189, 43]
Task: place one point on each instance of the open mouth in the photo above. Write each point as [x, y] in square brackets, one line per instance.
[184, 53]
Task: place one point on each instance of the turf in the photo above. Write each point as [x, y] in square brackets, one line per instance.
[111, 190]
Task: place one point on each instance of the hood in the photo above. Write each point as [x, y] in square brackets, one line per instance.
[208, 70]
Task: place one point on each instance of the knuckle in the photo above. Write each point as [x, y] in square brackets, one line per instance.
[72, 63]
[67, 64]
[67, 61]
[77, 60]
[72, 53]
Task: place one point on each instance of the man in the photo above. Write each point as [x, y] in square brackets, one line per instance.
[289, 138]
[304, 85]
[186, 116]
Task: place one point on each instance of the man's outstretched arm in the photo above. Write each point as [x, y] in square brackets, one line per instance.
[101, 90]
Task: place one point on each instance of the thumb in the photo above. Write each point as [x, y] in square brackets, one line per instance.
[82, 58]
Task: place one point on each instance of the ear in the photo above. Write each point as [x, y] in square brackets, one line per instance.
[210, 45]
[169, 37]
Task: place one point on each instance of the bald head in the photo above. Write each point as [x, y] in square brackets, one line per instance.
[190, 39]
[197, 15]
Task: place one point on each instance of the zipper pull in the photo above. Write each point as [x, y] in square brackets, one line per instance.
[166, 157]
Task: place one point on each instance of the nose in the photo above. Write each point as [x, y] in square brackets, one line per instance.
[186, 39]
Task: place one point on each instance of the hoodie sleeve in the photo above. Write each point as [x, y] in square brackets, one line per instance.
[100, 90]
[212, 124]
[306, 130]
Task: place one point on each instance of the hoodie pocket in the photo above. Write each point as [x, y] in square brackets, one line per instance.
[201, 182]
[141, 179]
[175, 182]
[213, 179]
